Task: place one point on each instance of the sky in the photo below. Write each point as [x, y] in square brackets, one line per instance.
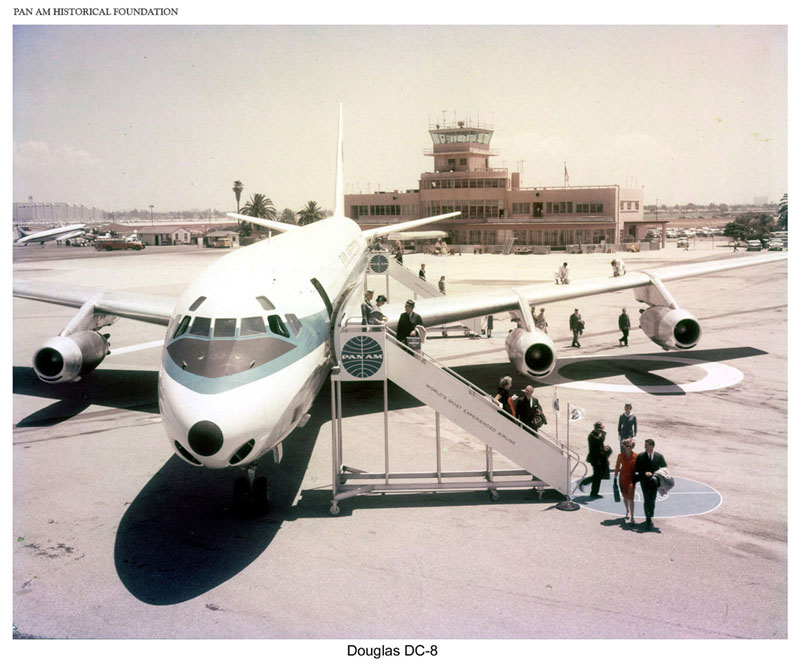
[128, 116]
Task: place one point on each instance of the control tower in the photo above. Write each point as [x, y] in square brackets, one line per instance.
[459, 147]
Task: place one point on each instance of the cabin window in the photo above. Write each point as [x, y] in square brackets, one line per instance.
[265, 303]
[277, 326]
[294, 324]
[197, 303]
[182, 326]
[252, 325]
[225, 328]
[201, 326]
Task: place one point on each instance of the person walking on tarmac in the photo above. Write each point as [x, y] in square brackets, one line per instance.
[541, 322]
[562, 274]
[624, 323]
[576, 325]
[647, 464]
[598, 459]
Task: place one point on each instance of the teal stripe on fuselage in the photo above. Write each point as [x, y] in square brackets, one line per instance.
[315, 332]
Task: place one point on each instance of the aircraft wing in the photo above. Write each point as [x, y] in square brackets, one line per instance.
[138, 306]
[449, 309]
[265, 223]
[381, 231]
[69, 235]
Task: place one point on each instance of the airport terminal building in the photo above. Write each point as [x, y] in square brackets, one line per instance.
[496, 210]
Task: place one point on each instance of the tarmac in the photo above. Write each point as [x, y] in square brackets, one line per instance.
[116, 538]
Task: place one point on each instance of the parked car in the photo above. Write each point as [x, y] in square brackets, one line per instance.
[683, 242]
[754, 245]
[775, 245]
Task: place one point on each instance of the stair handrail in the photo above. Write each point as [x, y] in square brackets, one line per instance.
[549, 440]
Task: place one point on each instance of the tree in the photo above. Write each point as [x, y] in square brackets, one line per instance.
[259, 207]
[750, 226]
[238, 187]
[287, 216]
[783, 212]
[310, 213]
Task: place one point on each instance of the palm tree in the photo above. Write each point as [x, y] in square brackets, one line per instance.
[783, 212]
[260, 207]
[238, 187]
[310, 213]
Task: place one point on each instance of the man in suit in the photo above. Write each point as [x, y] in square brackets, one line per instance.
[624, 323]
[527, 407]
[408, 322]
[366, 307]
[576, 326]
[598, 459]
[646, 465]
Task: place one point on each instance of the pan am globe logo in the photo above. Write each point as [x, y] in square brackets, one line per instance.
[378, 264]
[362, 356]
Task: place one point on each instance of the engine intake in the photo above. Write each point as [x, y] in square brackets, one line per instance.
[670, 328]
[67, 358]
[532, 352]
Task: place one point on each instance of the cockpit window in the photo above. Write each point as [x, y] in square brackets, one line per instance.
[201, 326]
[265, 303]
[197, 303]
[252, 325]
[182, 326]
[277, 326]
[224, 327]
[294, 324]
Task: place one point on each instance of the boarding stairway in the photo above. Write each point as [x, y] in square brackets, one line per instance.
[473, 410]
[383, 263]
[546, 463]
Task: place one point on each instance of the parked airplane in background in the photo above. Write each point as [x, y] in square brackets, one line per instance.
[58, 234]
[248, 344]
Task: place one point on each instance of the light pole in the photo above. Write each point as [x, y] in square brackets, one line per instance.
[151, 214]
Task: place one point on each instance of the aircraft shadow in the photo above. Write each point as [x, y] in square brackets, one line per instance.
[641, 371]
[123, 389]
[180, 538]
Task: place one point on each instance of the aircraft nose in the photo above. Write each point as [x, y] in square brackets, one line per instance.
[205, 438]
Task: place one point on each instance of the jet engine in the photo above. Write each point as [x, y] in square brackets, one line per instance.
[66, 358]
[670, 328]
[531, 352]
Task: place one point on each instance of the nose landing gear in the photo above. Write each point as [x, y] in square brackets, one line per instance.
[251, 494]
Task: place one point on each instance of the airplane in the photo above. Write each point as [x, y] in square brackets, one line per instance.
[248, 344]
[59, 234]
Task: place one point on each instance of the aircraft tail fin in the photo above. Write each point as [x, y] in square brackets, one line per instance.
[398, 227]
[338, 196]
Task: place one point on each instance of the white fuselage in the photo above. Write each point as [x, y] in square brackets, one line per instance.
[62, 233]
[255, 351]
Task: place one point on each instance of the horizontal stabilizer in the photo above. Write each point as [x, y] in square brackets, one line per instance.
[266, 223]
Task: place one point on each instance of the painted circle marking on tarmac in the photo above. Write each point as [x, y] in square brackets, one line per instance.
[686, 498]
[718, 376]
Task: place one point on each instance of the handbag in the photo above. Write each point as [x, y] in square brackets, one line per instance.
[616, 491]
[414, 342]
[538, 421]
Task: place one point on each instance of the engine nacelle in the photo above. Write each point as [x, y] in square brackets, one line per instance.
[531, 352]
[670, 328]
[64, 359]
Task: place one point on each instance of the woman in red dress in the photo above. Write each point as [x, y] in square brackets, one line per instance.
[626, 462]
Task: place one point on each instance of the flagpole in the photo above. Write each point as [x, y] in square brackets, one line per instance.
[568, 505]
